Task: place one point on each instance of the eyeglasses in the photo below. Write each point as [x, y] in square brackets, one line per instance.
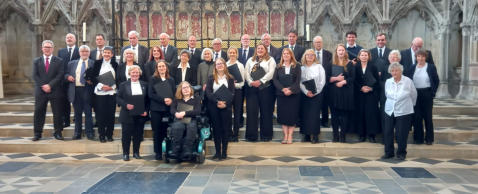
[219, 63]
[47, 47]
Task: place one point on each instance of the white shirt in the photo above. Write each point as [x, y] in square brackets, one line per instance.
[220, 81]
[421, 78]
[136, 88]
[78, 72]
[44, 59]
[401, 96]
[413, 56]
[320, 55]
[72, 50]
[287, 69]
[99, 52]
[105, 68]
[351, 46]
[183, 71]
[378, 50]
[316, 72]
[127, 70]
[218, 55]
[135, 49]
[192, 51]
[241, 70]
[269, 67]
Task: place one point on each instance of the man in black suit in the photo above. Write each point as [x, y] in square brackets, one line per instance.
[195, 53]
[245, 52]
[47, 73]
[80, 92]
[217, 52]
[352, 48]
[273, 51]
[170, 52]
[325, 58]
[142, 53]
[408, 55]
[298, 50]
[67, 54]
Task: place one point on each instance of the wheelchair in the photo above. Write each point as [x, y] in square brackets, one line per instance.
[199, 145]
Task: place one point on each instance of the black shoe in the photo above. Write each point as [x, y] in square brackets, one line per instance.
[158, 157]
[314, 139]
[417, 142]
[216, 157]
[58, 136]
[372, 140]
[91, 137]
[234, 139]
[306, 138]
[76, 137]
[137, 156]
[342, 139]
[102, 139]
[36, 138]
[251, 140]
[401, 157]
[224, 156]
[326, 125]
[110, 139]
[362, 139]
[335, 139]
[429, 142]
[65, 125]
[386, 156]
[125, 157]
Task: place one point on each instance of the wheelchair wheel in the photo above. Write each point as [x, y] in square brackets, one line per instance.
[165, 158]
[202, 155]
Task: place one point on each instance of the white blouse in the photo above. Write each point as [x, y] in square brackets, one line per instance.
[220, 81]
[421, 78]
[401, 96]
[105, 68]
[241, 70]
[136, 88]
[316, 72]
[269, 67]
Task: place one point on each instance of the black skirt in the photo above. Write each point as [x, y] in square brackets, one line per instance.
[288, 109]
[310, 114]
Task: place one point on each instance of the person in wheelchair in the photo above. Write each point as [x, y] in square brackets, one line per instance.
[184, 109]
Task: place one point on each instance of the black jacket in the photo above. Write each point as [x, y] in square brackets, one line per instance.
[432, 74]
[157, 103]
[124, 93]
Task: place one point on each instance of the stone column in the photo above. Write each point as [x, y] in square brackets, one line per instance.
[1, 77]
[443, 87]
[467, 88]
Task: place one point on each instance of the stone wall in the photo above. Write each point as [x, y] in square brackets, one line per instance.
[449, 28]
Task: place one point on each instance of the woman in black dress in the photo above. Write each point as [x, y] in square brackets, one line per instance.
[220, 108]
[160, 105]
[287, 83]
[155, 55]
[367, 93]
[341, 87]
[311, 101]
[238, 102]
[133, 117]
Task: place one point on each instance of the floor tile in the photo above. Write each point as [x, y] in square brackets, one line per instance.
[286, 159]
[355, 160]
[252, 158]
[427, 161]
[52, 156]
[85, 156]
[315, 171]
[407, 172]
[463, 161]
[20, 155]
[321, 159]
[13, 166]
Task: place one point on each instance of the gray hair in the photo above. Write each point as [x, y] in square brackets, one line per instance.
[164, 34]
[264, 35]
[133, 32]
[316, 37]
[204, 51]
[395, 52]
[129, 50]
[133, 67]
[217, 39]
[47, 41]
[185, 51]
[83, 47]
[395, 65]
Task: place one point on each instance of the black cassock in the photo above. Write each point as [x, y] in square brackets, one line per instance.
[367, 116]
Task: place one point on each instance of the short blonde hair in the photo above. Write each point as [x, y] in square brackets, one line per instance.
[135, 58]
[133, 67]
[204, 51]
[309, 51]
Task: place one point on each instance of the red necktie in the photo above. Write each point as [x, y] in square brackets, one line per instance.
[47, 64]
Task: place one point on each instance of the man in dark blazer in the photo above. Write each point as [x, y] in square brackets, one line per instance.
[216, 49]
[47, 74]
[352, 48]
[245, 52]
[142, 53]
[195, 52]
[67, 54]
[273, 51]
[408, 55]
[170, 52]
[298, 50]
[80, 92]
[325, 58]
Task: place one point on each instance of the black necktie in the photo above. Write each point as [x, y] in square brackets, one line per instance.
[380, 53]
[244, 55]
[215, 57]
[69, 53]
[192, 51]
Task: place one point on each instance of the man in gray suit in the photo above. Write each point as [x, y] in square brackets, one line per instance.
[170, 52]
[80, 92]
[47, 73]
[142, 53]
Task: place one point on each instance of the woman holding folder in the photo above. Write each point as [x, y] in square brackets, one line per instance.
[259, 71]
[103, 78]
[220, 91]
[133, 99]
[160, 92]
[184, 110]
[312, 82]
[236, 69]
[367, 90]
[287, 83]
[341, 79]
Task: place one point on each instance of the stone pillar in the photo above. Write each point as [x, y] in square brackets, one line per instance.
[468, 90]
[1, 77]
[443, 87]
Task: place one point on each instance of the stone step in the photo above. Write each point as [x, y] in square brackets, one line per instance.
[49, 145]
[438, 120]
[442, 134]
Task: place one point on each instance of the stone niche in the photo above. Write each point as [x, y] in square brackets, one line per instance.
[16, 42]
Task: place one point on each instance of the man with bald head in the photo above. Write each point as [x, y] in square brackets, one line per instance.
[245, 52]
[195, 52]
[408, 55]
[325, 58]
[170, 52]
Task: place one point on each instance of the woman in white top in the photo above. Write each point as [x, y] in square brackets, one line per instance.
[401, 97]
[260, 94]
[220, 108]
[311, 101]
[238, 102]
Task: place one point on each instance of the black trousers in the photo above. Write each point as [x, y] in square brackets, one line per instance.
[105, 108]
[402, 125]
[423, 113]
[182, 144]
[325, 107]
[160, 129]
[340, 119]
[65, 104]
[259, 101]
[132, 132]
[238, 106]
[221, 122]
[41, 103]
